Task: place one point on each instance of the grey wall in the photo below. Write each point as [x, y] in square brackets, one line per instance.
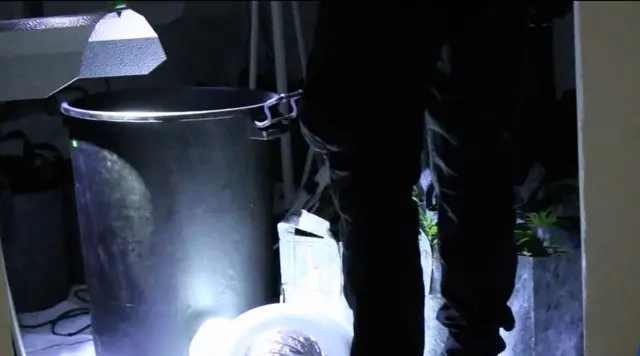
[608, 117]
[207, 43]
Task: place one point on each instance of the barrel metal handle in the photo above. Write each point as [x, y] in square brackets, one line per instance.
[289, 98]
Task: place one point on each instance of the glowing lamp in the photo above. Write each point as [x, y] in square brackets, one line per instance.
[275, 329]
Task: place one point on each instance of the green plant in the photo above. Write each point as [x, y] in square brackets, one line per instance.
[428, 226]
[543, 220]
[526, 234]
[427, 219]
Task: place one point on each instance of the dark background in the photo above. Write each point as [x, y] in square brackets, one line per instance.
[207, 43]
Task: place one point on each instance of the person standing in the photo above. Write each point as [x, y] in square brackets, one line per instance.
[373, 70]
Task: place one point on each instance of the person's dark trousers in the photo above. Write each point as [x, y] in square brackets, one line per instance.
[364, 109]
[474, 105]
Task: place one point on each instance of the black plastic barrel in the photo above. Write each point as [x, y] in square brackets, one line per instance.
[34, 238]
[175, 210]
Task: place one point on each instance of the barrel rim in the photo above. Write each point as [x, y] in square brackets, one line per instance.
[73, 109]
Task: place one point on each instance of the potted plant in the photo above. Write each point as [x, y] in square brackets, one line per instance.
[547, 300]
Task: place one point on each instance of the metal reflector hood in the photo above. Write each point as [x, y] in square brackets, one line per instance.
[39, 56]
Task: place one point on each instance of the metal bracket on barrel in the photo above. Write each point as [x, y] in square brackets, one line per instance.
[273, 127]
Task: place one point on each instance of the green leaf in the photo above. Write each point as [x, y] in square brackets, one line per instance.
[528, 243]
[545, 218]
[557, 249]
[524, 253]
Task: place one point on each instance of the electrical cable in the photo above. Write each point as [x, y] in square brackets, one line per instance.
[81, 295]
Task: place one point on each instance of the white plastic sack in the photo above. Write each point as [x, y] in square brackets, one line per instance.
[310, 266]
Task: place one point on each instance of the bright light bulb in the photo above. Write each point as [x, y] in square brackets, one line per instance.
[210, 337]
[332, 336]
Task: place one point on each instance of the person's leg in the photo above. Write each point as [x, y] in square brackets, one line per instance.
[363, 108]
[476, 103]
